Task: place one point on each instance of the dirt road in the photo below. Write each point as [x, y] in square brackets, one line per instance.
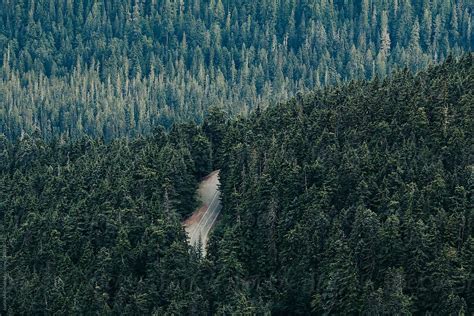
[201, 222]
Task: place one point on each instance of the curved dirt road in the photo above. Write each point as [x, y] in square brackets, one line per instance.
[201, 222]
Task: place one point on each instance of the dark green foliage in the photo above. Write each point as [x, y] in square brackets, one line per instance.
[214, 126]
[356, 198]
[111, 68]
[95, 228]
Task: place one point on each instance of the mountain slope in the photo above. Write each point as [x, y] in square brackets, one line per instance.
[356, 198]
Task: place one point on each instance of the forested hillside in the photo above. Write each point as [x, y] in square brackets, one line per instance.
[111, 68]
[89, 228]
[353, 199]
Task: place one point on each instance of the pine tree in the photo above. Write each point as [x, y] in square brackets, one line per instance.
[340, 292]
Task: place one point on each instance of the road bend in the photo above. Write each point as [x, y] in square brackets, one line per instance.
[200, 223]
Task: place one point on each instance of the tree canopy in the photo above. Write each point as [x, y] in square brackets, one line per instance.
[111, 68]
[353, 199]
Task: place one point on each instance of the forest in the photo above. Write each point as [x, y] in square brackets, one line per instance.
[95, 228]
[112, 68]
[352, 199]
[342, 131]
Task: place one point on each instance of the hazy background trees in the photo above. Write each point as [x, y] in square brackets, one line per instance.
[114, 68]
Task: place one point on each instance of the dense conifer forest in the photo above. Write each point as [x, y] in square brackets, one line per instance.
[109, 68]
[343, 132]
[94, 228]
[353, 199]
